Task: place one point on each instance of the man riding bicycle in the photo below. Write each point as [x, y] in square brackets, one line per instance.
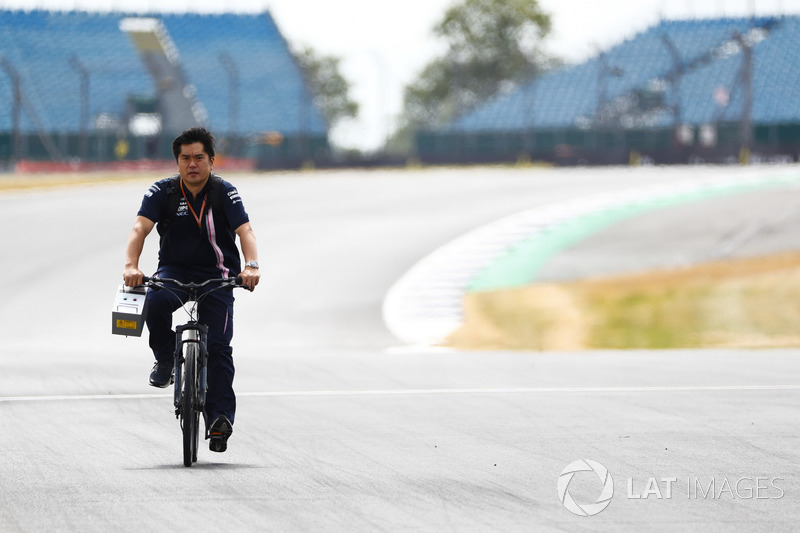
[198, 216]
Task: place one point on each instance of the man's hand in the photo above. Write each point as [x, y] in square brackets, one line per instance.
[132, 276]
[250, 277]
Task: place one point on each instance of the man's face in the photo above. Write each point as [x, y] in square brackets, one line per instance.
[194, 165]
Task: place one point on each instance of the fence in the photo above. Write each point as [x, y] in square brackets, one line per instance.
[718, 144]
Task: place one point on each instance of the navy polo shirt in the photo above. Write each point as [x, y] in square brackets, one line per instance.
[208, 248]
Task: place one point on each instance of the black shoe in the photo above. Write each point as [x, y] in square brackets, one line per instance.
[162, 375]
[221, 428]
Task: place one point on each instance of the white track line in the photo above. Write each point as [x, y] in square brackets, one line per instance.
[411, 392]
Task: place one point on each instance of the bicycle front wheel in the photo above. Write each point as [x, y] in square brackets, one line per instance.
[190, 416]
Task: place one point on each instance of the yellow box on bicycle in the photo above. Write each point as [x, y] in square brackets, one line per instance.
[129, 311]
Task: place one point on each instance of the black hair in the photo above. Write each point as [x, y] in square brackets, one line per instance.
[194, 135]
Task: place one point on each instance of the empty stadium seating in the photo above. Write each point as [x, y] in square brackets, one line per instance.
[40, 46]
[702, 51]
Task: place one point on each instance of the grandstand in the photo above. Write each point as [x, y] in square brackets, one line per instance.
[99, 87]
[680, 91]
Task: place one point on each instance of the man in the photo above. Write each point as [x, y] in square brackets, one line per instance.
[198, 216]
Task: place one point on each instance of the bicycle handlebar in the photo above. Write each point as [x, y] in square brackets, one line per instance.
[233, 282]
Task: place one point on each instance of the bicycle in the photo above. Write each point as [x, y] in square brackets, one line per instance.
[191, 358]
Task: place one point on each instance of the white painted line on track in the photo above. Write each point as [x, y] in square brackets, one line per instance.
[412, 392]
[74, 397]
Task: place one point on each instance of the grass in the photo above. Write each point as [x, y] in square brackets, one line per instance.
[18, 182]
[753, 302]
[23, 182]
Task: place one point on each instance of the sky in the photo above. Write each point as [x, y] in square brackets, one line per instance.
[384, 44]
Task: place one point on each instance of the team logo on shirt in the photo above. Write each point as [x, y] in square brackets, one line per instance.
[233, 194]
[183, 208]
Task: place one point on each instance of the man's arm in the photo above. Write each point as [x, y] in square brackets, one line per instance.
[141, 229]
[247, 237]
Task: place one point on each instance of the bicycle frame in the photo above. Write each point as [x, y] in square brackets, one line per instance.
[190, 398]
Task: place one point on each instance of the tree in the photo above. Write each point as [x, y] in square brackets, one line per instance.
[330, 88]
[492, 45]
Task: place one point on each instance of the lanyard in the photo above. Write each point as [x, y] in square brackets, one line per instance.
[199, 218]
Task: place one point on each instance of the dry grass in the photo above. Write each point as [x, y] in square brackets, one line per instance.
[23, 182]
[16, 182]
[752, 302]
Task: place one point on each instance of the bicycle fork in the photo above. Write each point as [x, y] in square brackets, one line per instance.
[197, 333]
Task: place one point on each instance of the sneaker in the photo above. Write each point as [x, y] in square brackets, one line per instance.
[163, 375]
[221, 428]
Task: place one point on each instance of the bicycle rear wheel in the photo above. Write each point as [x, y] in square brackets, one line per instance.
[190, 416]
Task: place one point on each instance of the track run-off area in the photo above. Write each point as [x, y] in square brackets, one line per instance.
[345, 424]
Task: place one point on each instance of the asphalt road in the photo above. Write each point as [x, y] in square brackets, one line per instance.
[748, 224]
[342, 428]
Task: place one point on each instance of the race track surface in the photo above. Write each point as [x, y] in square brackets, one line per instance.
[342, 427]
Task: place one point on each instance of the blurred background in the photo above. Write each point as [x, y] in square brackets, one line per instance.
[296, 84]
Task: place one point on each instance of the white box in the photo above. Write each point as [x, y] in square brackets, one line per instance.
[129, 311]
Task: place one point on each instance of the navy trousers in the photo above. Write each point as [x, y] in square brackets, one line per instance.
[215, 311]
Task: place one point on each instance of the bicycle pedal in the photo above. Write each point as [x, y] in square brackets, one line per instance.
[218, 434]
